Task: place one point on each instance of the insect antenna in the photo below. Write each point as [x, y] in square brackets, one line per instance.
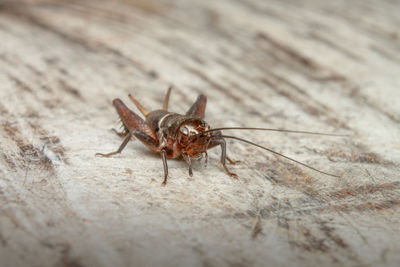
[279, 154]
[272, 130]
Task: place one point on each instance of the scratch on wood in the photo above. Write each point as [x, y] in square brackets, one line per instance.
[257, 228]
[329, 232]
[336, 46]
[361, 156]
[89, 45]
[302, 99]
[311, 242]
[7, 159]
[294, 60]
[67, 259]
[360, 98]
[51, 141]
[363, 190]
[214, 84]
[29, 155]
[20, 84]
[65, 86]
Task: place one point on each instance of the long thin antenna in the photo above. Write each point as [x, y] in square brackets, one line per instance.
[270, 129]
[279, 154]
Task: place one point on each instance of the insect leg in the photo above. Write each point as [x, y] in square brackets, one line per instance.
[189, 162]
[166, 100]
[121, 147]
[232, 162]
[198, 108]
[214, 144]
[153, 144]
[139, 106]
[221, 141]
[120, 134]
[130, 119]
[164, 159]
[144, 138]
[147, 140]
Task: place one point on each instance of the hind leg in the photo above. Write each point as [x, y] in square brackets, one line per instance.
[131, 120]
[120, 134]
[144, 138]
[121, 147]
[197, 110]
[166, 100]
[133, 124]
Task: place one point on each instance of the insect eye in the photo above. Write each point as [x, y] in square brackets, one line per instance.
[184, 131]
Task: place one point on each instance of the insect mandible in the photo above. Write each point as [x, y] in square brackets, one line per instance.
[189, 136]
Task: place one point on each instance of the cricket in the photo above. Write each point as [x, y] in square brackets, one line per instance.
[188, 136]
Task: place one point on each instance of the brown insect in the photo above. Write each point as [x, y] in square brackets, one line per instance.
[174, 135]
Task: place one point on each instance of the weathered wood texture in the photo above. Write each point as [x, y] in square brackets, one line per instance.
[310, 65]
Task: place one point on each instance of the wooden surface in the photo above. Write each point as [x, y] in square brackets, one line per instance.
[302, 65]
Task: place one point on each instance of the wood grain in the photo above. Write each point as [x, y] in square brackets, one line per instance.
[300, 65]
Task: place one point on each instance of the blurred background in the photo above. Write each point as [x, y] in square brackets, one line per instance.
[301, 65]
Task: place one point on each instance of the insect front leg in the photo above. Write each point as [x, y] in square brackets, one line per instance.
[164, 159]
[189, 162]
[153, 144]
[205, 158]
[221, 141]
